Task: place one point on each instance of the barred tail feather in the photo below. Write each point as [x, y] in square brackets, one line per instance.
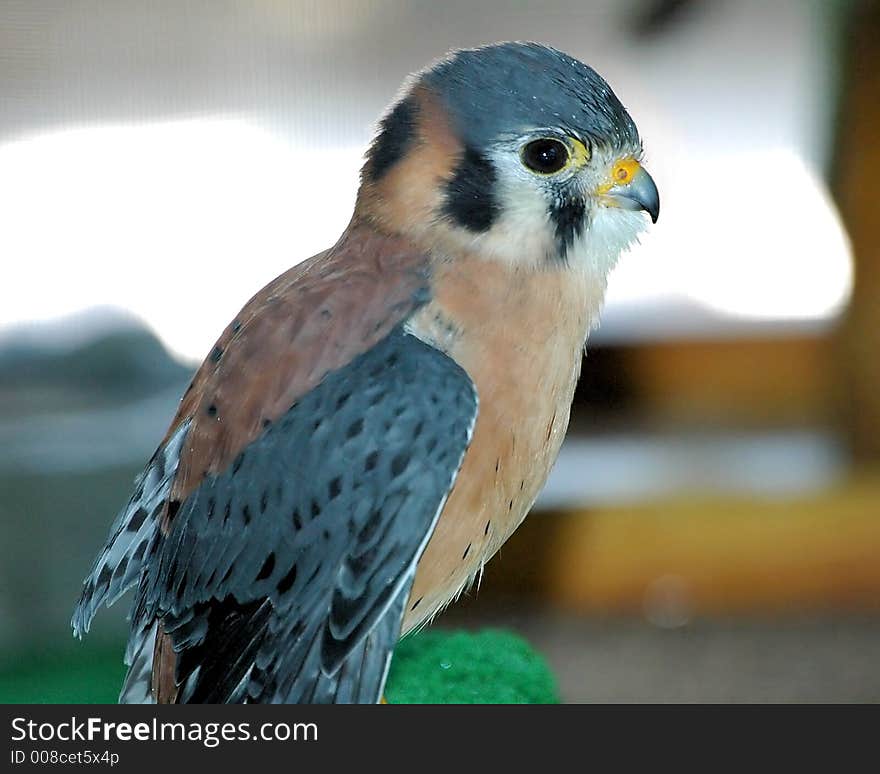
[132, 535]
[137, 688]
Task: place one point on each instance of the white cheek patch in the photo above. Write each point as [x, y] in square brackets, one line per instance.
[605, 236]
[522, 234]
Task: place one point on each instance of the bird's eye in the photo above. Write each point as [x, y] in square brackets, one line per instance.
[545, 156]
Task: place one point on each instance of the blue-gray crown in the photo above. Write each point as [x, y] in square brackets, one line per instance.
[511, 88]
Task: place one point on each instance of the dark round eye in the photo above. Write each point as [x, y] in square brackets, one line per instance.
[545, 156]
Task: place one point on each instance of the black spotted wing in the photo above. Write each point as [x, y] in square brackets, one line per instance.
[283, 579]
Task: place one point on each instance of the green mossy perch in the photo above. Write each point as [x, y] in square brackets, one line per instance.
[489, 667]
[432, 667]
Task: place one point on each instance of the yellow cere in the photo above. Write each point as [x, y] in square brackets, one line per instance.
[622, 173]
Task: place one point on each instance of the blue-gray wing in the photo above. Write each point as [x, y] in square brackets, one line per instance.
[283, 579]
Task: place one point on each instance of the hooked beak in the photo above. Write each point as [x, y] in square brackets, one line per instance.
[630, 187]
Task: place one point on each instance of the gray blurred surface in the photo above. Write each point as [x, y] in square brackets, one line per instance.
[784, 659]
[312, 69]
[715, 661]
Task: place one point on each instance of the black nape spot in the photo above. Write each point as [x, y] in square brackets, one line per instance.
[173, 508]
[466, 551]
[470, 194]
[211, 411]
[216, 354]
[287, 581]
[266, 569]
[417, 603]
[335, 488]
[397, 134]
[569, 221]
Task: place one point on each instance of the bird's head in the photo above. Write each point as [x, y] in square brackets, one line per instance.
[516, 152]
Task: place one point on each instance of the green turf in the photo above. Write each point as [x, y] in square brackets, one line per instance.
[76, 676]
[489, 667]
[433, 667]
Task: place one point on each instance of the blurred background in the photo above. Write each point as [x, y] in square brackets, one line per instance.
[711, 531]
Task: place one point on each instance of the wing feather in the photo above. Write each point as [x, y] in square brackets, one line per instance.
[366, 460]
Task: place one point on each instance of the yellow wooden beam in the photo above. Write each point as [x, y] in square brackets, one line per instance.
[705, 555]
[782, 380]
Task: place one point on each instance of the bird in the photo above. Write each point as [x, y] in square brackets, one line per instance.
[377, 421]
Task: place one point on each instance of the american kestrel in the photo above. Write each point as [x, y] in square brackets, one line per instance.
[379, 419]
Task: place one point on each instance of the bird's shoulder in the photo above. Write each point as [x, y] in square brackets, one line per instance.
[313, 319]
